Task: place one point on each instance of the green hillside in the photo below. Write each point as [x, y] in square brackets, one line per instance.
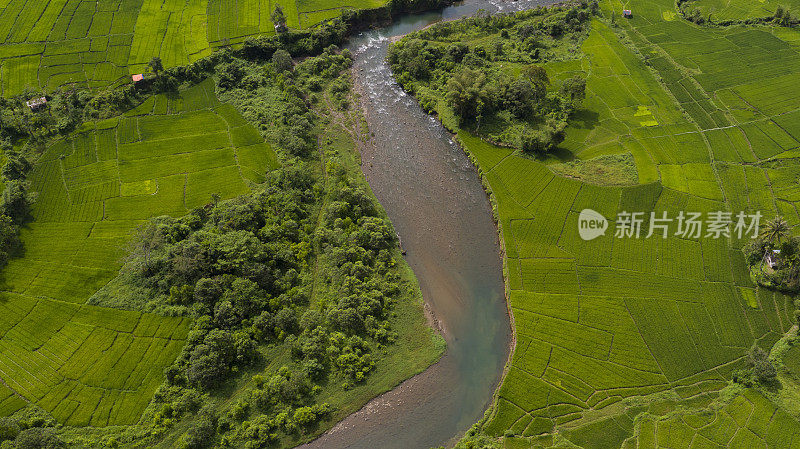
[609, 327]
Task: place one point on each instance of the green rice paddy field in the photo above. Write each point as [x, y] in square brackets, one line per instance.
[606, 327]
[88, 365]
[49, 43]
[742, 9]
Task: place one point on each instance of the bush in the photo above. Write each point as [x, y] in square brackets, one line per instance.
[38, 438]
[543, 140]
[202, 432]
[282, 60]
[8, 429]
[755, 250]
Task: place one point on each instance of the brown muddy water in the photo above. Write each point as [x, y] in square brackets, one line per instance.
[435, 200]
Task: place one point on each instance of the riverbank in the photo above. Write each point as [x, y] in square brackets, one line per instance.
[434, 196]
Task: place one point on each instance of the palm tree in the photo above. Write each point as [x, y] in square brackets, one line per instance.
[775, 230]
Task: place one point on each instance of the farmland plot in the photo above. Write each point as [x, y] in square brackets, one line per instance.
[748, 421]
[605, 320]
[45, 44]
[742, 9]
[605, 317]
[88, 365]
[674, 292]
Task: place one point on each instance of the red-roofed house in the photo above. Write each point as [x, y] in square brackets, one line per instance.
[137, 78]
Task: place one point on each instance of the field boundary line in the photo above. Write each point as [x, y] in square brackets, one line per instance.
[185, 183]
[676, 382]
[15, 392]
[610, 362]
[489, 170]
[625, 302]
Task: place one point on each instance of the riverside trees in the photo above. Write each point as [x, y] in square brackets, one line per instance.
[495, 85]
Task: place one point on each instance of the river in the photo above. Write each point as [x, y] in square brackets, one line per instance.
[435, 200]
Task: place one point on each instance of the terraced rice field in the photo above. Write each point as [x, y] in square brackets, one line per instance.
[88, 365]
[608, 319]
[45, 44]
[741, 9]
[749, 420]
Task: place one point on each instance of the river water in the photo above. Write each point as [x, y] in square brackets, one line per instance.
[435, 200]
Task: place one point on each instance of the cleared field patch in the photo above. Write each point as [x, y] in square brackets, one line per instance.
[83, 364]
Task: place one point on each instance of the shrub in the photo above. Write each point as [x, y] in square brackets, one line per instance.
[38, 438]
[8, 429]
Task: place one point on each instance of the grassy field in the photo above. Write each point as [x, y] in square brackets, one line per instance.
[45, 44]
[88, 365]
[712, 123]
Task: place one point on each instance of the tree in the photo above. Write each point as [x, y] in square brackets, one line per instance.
[533, 141]
[754, 251]
[782, 16]
[536, 74]
[763, 369]
[775, 230]
[543, 140]
[574, 90]
[697, 17]
[146, 239]
[155, 65]
[278, 19]
[8, 429]
[215, 197]
[305, 416]
[230, 73]
[209, 362]
[282, 60]
[17, 200]
[9, 239]
[520, 97]
[38, 438]
[466, 93]
[202, 432]
[539, 80]
[16, 166]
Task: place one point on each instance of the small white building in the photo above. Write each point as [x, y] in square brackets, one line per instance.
[36, 103]
[771, 258]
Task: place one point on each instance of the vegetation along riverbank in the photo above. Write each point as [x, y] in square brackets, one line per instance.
[202, 263]
[628, 342]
